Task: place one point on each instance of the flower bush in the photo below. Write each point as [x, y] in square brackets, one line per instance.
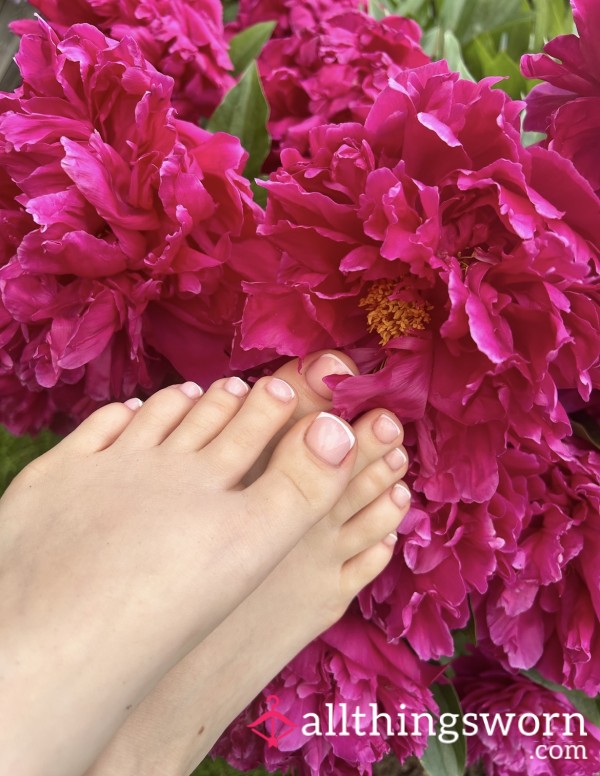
[331, 70]
[119, 224]
[542, 609]
[548, 718]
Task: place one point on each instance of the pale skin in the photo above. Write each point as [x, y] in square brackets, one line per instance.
[111, 580]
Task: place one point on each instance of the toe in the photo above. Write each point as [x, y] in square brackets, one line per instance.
[378, 431]
[307, 378]
[159, 415]
[374, 480]
[362, 569]
[306, 475]
[376, 522]
[266, 410]
[210, 415]
[99, 430]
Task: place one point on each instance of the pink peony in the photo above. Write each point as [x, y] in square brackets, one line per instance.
[543, 609]
[567, 105]
[459, 270]
[331, 72]
[292, 16]
[486, 690]
[352, 664]
[183, 39]
[118, 266]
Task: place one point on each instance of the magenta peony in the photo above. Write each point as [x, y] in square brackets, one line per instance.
[118, 265]
[183, 39]
[291, 15]
[351, 664]
[542, 724]
[460, 271]
[543, 609]
[332, 71]
[567, 105]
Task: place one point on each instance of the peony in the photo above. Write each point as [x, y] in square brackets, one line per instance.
[425, 240]
[353, 664]
[332, 71]
[118, 267]
[183, 39]
[543, 609]
[485, 688]
[292, 16]
[567, 105]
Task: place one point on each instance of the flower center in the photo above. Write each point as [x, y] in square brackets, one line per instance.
[394, 317]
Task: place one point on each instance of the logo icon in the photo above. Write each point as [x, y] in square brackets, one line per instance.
[273, 721]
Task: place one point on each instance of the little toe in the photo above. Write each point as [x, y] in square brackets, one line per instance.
[99, 430]
[306, 475]
[363, 568]
[159, 415]
[267, 409]
[207, 419]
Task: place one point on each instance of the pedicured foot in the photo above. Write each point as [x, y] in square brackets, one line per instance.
[177, 724]
[136, 532]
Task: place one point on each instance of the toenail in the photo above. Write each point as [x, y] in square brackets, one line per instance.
[325, 365]
[391, 539]
[330, 438]
[280, 390]
[236, 386]
[133, 404]
[191, 390]
[396, 459]
[400, 495]
[385, 429]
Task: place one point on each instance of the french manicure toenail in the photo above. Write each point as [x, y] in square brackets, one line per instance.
[236, 386]
[391, 539]
[330, 438]
[400, 495]
[325, 365]
[395, 459]
[385, 429]
[133, 404]
[280, 390]
[191, 390]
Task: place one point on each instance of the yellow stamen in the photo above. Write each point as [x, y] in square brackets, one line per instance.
[393, 317]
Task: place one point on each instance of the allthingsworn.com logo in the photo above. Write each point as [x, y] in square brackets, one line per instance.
[273, 727]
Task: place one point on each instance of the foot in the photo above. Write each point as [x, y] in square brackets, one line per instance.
[136, 532]
[176, 725]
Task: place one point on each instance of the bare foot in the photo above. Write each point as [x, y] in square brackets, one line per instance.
[135, 533]
[176, 725]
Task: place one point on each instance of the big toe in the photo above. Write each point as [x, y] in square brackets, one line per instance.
[307, 474]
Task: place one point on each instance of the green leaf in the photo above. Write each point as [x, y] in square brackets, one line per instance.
[586, 428]
[486, 60]
[245, 47]
[230, 10]
[446, 759]
[17, 452]
[244, 113]
[479, 16]
[586, 706]
[377, 9]
[443, 44]
[531, 138]
[552, 18]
